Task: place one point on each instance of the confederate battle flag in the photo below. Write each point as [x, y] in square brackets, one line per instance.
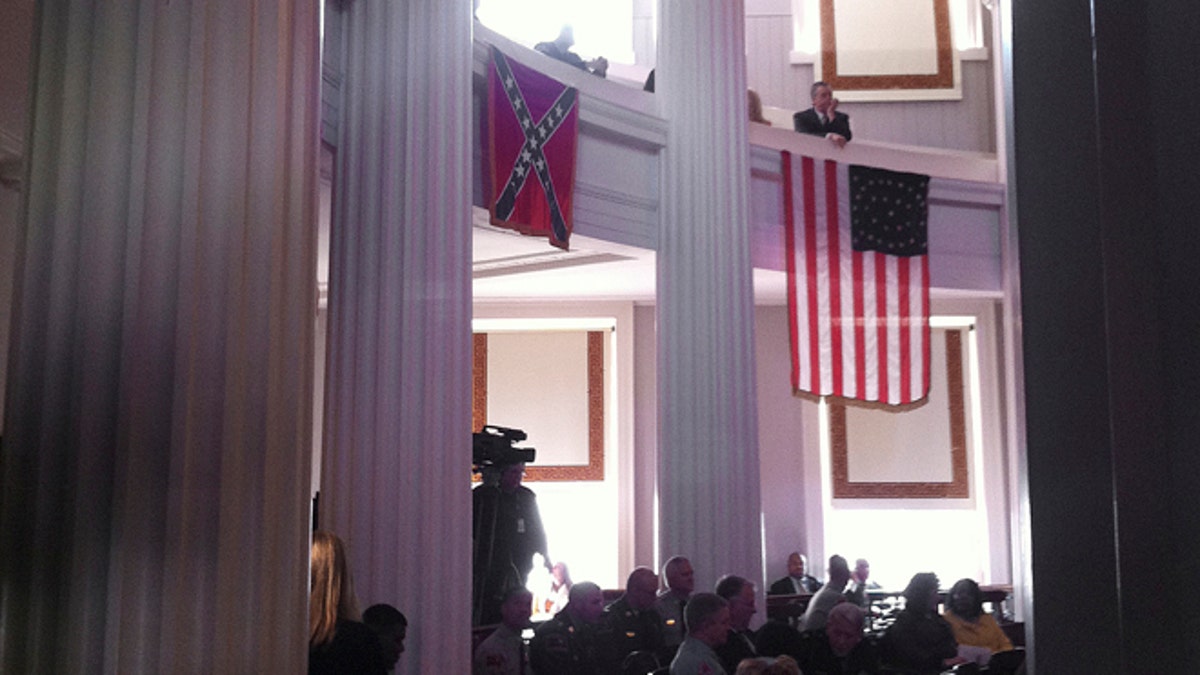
[533, 123]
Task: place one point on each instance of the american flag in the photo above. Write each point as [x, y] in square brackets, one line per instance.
[858, 280]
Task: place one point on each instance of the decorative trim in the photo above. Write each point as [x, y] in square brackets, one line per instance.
[594, 469]
[638, 202]
[957, 488]
[943, 79]
[479, 381]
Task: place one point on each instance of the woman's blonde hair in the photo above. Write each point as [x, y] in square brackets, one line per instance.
[331, 594]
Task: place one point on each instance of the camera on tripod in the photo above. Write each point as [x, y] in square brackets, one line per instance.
[496, 446]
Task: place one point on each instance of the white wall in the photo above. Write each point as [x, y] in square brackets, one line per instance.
[968, 124]
[787, 440]
[592, 525]
[953, 537]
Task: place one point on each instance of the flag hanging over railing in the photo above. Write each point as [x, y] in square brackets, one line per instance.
[858, 280]
[532, 130]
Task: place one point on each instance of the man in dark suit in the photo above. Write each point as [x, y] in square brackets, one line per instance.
[796, 581]
[739, 642]
[823, 119]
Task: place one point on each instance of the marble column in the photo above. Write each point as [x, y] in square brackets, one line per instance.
[155, 470]
[708, 478]
[395, 479]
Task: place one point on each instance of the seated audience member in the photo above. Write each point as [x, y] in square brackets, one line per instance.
[391, 626]
[739, 593]
[337, 641]
[972, 627]
[632, 620]
[754, 666]
[555, 597]
[707, 621]
[756, 108]
[860, 583]
[573, 641]
[777, 637]
[920, 639]
[783, 665]
[503, 652]
[829, 595]
[823, 119]
[796, 581]
[560, 49]
[681, 581]
[841, 649]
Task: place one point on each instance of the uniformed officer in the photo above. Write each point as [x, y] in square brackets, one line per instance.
[681, 581]
[632, 619]
[574, 640]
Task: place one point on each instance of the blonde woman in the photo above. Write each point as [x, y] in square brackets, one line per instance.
[337, 642]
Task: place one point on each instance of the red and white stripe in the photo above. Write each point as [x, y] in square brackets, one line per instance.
[859, 321]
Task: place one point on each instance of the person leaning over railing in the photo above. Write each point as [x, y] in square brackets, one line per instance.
[823, 119]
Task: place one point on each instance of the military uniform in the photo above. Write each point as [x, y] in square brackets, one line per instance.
[633, 630]
[670, 608]
[564, 646]
[502, 653]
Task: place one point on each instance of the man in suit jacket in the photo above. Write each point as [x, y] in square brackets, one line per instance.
[739, 642]
[823, 119]
[796, 581]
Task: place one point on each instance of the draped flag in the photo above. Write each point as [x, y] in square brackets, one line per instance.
[533, 123]
[858, 280]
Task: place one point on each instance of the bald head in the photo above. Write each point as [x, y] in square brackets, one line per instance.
[641, 588]
[585, 602]
[796, 565]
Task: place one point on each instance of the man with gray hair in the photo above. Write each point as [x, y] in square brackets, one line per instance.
[740, 593]
[680, 579]
[857, 590]
[707, 619]
[823, 119]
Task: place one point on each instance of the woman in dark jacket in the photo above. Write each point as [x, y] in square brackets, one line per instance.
[920, 640]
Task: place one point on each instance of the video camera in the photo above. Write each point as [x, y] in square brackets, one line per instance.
[496, 446]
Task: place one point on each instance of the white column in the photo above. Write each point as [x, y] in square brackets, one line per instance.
[708, 479]
[156, 465]
[395, 481]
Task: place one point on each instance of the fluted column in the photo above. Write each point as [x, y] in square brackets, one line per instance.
[156, 464]
[396, 459]
[708, 477]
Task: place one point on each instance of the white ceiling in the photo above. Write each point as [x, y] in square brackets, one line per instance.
[512, 267]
